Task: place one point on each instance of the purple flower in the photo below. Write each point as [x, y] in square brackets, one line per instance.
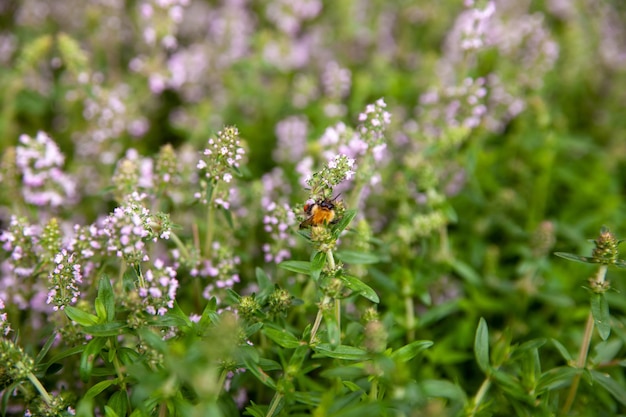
[292, 136]
[157, 288]
[64, 280]
[336, 81]
[40, 161]
[5, 327]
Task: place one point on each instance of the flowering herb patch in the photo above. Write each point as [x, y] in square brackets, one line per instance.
[306, 208]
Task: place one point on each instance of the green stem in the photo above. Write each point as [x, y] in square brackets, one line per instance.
[444, 244]
[210, 224]
[120, 278]
[120, 376]
[318, 318]
[221, 381]
[410, 317]
[480, 395]
[331, 259]
[374, 390]
[581, 361]
[338, 316]
[180, 245]
[331, 264]
[142, 281]
[274, 404]
[44, 394]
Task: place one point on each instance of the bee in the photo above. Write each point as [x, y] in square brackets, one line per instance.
[320, 212]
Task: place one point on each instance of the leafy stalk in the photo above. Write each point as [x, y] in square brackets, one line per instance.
[584, 349]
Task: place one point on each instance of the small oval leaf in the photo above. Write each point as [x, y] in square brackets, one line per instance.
[361, 288]
[300, 267]
[601, 316]
[481, 345]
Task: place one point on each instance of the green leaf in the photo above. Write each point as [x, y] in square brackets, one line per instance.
[333, 332]
[353, 407]
[100, 311]
[531, 344]
[255, 369]
[358, 286]
[556, 378]
[265, 283]
[511, 385]
[110, 412]
[106, 329]
[439, 312]
[91, 352]
[562, 350]
[99, 387]
[79, 316]
[127, 356]
[175, 317]
[352, 372]
[252, 329]
[481, 345]
[607, 351]
[443, 389]
[282, 337]
[465, 271]
[601, 316]
[256, 410]
[341, 225]
[233, 297]
[317, 264]
[209, 314]
[408, 352]
[64, 354]
[46, 347]
[228, 216]
[340, 352]
[357, 258]
[611, 385]
[106, 297]
[154, 340]
[308, 398]
[576, 258]
[298, 357]
[352, 386]
[300, 267]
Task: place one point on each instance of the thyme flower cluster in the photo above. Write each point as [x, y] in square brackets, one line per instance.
[158, 288]
[277, 222]
[20, 240]
[64, 281]
[40, 162]
[5, 326]
[130, 226]
[322, 182]
[222, 156]
[221, 269]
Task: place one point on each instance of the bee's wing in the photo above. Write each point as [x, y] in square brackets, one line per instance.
[307, 223]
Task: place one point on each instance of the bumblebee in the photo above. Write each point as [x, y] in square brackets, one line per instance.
[321, 212]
